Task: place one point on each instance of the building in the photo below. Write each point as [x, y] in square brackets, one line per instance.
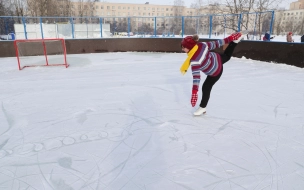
[141, 17]
[296, 5]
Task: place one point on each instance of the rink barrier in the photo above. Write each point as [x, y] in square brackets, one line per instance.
[275, 52]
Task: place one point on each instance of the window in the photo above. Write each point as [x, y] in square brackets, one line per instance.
[113, 7]
[123, 7]
[109, 13]
[167, 9]
[108, 7]
[119, 7]
[138, 8]
[96, 7]
[101, 7]
[144, 8]
[144, 14]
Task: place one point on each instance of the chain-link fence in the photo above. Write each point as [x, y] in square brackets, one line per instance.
[207, 26]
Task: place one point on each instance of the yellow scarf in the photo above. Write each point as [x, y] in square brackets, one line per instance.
[186, 64]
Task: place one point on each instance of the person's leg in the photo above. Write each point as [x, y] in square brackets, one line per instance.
[228, 52]
[206, 88]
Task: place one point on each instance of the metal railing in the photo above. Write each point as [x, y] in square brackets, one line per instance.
[209, 26]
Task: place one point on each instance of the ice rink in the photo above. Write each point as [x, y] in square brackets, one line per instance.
[123, 121]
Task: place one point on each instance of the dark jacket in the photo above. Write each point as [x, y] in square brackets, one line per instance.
[266, 37]
[302, 38]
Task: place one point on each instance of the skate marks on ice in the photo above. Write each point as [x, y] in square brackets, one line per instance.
[251, 150]
[61, 152]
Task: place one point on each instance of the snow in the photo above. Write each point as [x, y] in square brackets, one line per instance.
[124, 121]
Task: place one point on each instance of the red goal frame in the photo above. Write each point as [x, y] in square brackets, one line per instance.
[44, 50]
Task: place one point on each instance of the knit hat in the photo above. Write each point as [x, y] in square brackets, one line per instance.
[289, 33]
[188, 42]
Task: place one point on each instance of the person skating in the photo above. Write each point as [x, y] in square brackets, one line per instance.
[203, 60]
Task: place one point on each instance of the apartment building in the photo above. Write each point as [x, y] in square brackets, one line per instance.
[141, 15]
[289, 21]
[296, 5]
[105, 9]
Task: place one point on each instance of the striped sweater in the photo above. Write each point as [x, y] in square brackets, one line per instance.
[208, 62]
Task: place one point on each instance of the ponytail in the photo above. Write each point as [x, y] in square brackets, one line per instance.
[195, 37]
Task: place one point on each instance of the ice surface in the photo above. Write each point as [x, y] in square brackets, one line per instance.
[124, 121]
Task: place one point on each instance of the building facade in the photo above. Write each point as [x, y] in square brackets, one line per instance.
[296, 5]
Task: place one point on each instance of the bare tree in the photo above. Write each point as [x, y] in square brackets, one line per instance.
[85, 8]
[43, 8]
[278, 27]
[178, 10]
[6, 24]
[20, 8]
[198, 5]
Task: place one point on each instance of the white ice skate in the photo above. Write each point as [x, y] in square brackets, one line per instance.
[244, 33]
[200, 111]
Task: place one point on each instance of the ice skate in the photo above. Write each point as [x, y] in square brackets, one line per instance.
[244, 33]
[200, 111]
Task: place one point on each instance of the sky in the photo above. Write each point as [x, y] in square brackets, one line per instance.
[124, 121]
[284, 4]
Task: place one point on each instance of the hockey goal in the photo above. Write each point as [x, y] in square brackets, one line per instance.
[40, 52]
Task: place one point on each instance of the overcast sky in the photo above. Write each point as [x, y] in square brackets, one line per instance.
[284, 4]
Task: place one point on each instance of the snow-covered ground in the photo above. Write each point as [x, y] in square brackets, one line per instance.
[124, 121]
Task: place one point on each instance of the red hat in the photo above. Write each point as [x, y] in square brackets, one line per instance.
[289, 33]
[188, 42]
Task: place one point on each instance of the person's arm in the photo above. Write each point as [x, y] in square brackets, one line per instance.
[218, 43]
[196, 81]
